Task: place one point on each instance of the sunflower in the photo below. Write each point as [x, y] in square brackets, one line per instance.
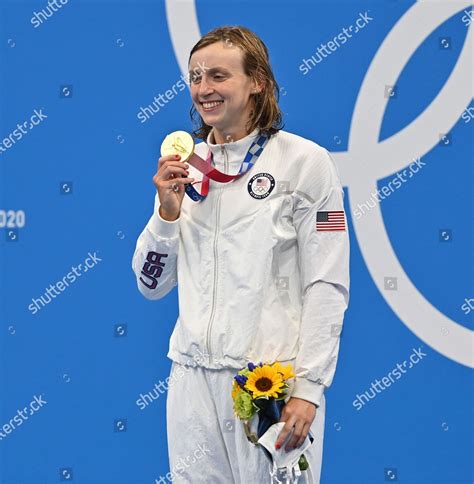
[236, 389]
[264, 381]
[286, 371]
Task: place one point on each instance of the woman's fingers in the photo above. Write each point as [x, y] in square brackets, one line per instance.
[170, 159]
[178, 181]
[301, 429]
[169, 170]
[287, 428]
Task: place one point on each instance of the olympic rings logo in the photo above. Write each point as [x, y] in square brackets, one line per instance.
[446, 336]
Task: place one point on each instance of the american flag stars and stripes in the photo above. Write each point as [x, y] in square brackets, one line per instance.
[330, 221]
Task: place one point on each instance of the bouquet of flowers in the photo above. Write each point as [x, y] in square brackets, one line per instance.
[260, 389]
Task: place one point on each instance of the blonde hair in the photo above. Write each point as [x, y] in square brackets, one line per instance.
[266, 114]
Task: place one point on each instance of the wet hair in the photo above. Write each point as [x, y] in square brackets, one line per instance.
[266, 114]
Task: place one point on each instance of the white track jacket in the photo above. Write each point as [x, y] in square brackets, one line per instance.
[262, 264]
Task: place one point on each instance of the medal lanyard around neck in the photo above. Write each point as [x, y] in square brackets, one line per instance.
[250, 159]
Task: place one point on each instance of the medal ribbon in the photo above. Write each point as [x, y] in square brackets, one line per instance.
[205, 167]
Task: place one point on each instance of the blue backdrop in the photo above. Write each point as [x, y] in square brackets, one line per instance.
[386, 86]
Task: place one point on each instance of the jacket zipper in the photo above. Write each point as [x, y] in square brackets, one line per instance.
[216, 236]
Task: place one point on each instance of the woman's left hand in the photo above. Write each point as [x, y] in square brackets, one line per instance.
[296, 413]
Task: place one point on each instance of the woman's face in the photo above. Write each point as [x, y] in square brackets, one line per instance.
[216, 74]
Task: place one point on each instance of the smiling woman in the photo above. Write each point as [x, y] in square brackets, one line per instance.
[261, 259]
[232, 85]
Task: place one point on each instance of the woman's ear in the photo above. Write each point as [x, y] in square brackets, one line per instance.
[258, 86]
[258, 81]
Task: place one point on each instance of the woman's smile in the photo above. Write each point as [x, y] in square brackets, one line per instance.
[210, 106]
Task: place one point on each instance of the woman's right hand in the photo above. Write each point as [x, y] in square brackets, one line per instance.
[171, 172]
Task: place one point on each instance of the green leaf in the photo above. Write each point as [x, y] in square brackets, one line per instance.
[303, 463]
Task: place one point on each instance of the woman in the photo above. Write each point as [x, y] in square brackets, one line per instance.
[262, 265]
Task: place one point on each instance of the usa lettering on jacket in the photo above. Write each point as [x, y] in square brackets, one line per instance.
[152, 269]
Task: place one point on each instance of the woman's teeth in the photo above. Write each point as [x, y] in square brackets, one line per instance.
[211, 105]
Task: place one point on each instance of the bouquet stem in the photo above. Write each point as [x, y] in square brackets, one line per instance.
[251, 437]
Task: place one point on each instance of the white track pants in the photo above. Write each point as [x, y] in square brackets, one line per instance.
[207, 443]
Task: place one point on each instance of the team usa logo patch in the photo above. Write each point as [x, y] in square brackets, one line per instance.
[330, 221]
[261, 185]
[152, 269]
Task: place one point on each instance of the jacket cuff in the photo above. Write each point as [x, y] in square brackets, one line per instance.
[161, 228]
[308, 390]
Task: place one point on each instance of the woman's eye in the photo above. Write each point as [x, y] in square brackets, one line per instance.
[197, 78]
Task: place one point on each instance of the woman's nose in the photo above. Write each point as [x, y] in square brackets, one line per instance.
[204, 87]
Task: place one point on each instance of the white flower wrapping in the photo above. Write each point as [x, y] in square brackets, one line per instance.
[284, 462]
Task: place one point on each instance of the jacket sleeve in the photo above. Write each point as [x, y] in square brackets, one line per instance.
[156, 254]
[323, 247]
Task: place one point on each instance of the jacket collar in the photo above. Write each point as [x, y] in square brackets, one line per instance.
[236, 150]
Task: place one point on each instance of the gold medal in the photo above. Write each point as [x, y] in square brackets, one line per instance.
[178, 143]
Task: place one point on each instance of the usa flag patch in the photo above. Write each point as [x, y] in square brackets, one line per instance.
[330, 221]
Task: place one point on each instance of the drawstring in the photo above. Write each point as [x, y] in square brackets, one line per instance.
[287, 474]
[274, 474]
